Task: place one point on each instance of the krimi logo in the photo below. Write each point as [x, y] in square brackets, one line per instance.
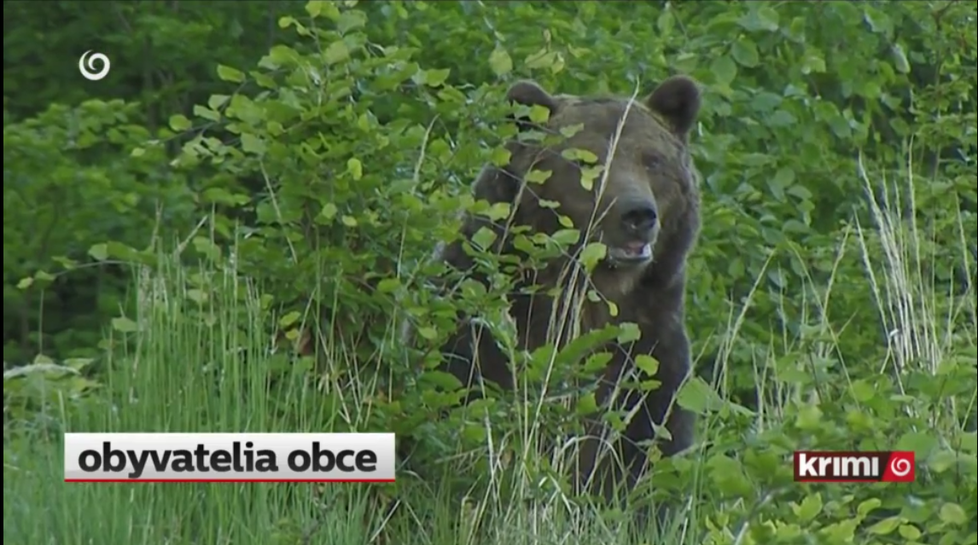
[839, 467]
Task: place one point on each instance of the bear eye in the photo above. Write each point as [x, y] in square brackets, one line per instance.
[652, 162]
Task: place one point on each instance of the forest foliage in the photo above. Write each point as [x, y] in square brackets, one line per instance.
[321, 149]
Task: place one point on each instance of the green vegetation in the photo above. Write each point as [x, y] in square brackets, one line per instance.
[228, 232]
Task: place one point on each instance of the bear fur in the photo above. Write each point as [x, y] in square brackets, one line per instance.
[647, 215]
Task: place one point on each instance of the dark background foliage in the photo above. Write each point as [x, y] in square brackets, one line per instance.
[320, 149]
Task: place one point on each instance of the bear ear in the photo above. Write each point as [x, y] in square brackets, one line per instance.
[677, 99]
[529, 93]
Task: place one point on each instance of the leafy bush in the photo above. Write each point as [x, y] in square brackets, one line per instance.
[831, 297]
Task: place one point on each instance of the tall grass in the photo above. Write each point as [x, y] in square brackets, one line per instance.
[196, 364]
[195, 360]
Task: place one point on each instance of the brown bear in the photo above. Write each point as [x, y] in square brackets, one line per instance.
[644, 208]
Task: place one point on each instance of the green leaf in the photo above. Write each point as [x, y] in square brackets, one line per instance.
[227, 73]
[350, 20]
[942, 460]
[909, 532]
[578, 154]
[355, 168]
[99, 251]
[587, 404]
[252, 144]
[571, 130]
[728, 476]
[544, 59]
[744, 51]
[665, 23]
[539, 114]
[197, 296]
[124, 325]
[760, 18]
[388, 285]
[596, 362]
[810, 508]
[289, 319]
[863, 390]
[180, 123]
[483, 238]
[698, 396]
[336, 52]
[783, 178]
[25, 283]
[500, 62]
[920, 442]
[498, 211]
[953, 513]
[65, 262]
[628, 332]
[969, 441]
[885, 526]
[500, 157]
[441, 379]
[694, 398]
[592, 254]
[809, 417]
[41, 359]
[206, 113]
[813, 61]
[216, 101]
[566, 237]
[647, 364]
[723, 69]
[868, 506]
[315, 8]
[589, 175]
[900, 59]
[328, 212]
[536, 176]
[435, 78]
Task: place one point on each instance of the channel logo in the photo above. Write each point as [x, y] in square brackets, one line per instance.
[87, 65]
[889, 466]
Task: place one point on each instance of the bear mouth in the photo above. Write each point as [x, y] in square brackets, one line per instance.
[631, 253]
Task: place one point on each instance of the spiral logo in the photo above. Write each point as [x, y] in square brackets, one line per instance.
[900, 467]
[87, 64]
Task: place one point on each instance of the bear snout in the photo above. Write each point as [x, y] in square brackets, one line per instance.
[632, 231]
[639, 219]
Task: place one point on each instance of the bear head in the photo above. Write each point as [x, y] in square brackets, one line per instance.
[632, 188]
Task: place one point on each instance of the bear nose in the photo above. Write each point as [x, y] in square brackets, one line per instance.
[639, 218]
